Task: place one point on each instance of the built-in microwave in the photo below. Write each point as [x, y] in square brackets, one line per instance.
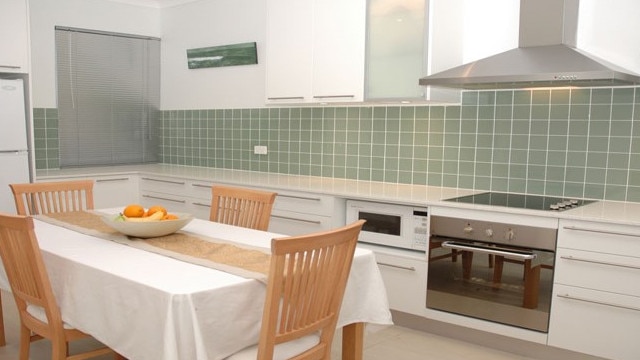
[399, 226]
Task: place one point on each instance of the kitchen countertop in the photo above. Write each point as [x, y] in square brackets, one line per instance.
[625, 213]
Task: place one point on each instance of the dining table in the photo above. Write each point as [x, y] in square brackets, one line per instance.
[148, 305]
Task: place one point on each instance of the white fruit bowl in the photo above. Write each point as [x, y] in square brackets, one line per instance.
[147, 229]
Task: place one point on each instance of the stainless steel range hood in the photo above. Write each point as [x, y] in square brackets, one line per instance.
[546, 56]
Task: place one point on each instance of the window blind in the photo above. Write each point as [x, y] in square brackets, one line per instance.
[108, 97]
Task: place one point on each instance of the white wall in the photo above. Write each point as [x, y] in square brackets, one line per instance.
[211, 23]
[89, 14]
[490, 27]
[611, 31]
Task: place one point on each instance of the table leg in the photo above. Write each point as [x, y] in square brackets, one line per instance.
[3, 341]
[352, 341]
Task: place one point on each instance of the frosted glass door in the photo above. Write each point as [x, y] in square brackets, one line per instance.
[396, 47]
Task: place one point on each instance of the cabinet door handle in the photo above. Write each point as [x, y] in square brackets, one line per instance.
[164, 181]
[315, 222]
[578, 228]
[201, 204]
[163, 198]
[300, 197]
[571, 297]
[573, 258]
[333, 96]
[409, 268]
[10, 66]
[114, 179]
[201, 185]
[286, 98]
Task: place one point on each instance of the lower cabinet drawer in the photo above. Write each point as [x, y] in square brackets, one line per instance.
[595, 322]
[293, 223]
[305, 203]
[172, 203]
[199, 208]
[606, 272]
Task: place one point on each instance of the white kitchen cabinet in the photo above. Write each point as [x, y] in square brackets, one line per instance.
[596, 297]
[315, 51]
[170, 192]
[293, 213]
[397, 43]
[405, 278]
[297, 213]
[115, 190]
[14, 36]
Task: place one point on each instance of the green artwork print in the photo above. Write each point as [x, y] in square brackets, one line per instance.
[225, 55]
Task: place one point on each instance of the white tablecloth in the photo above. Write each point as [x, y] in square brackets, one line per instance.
[147, 306]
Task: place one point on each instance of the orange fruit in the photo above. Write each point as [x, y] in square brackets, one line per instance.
[170, 217]
[133, 210]
[154, 209]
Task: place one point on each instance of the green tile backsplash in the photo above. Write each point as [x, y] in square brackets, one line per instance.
[562, 142]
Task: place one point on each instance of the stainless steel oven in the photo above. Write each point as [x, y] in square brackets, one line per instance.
[496, 266]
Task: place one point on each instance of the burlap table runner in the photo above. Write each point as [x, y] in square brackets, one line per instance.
[197, 249]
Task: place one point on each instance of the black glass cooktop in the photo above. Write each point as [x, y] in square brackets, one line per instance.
[533, 202]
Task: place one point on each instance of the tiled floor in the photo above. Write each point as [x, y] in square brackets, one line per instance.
[401, 343]
[386, 343]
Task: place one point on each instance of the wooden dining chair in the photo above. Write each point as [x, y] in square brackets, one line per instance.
[53, 197]
[248, 208]
[49, 197]
[37, 307]
[307, 279]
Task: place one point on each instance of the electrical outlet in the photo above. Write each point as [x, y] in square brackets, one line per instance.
[260, 150]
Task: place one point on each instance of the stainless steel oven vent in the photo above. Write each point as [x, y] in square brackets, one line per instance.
[546, 56]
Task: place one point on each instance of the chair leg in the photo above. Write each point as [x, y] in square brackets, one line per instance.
[3, 339]
[25, 342]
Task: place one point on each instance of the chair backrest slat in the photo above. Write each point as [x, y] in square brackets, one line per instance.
[53, 197]
[241, 207]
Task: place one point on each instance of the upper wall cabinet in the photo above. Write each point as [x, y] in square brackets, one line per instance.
[14, 38]
[396, 49]
[315, 51]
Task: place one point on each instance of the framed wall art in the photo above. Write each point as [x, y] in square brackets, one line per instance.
[224, 55]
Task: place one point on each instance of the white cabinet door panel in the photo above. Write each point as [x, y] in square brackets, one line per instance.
[595, 322]
[288, 50]
[406, 282]
[14, 36]
[339, 50]
[294, 223]
[112, 191]
[606, 272]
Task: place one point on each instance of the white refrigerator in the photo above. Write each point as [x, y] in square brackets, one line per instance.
[14, 149]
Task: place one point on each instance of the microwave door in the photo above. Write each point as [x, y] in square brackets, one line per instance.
[384, 224]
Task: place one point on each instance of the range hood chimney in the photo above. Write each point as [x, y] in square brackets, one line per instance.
[546, 56]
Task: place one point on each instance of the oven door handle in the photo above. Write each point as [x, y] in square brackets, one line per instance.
[508, 253]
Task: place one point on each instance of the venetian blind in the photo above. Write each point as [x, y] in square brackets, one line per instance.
[108, 97]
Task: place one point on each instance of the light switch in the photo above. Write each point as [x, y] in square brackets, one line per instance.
[260, 150]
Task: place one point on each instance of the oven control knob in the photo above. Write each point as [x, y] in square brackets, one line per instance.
[510, 235]
[468, 229]
[488, 232]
